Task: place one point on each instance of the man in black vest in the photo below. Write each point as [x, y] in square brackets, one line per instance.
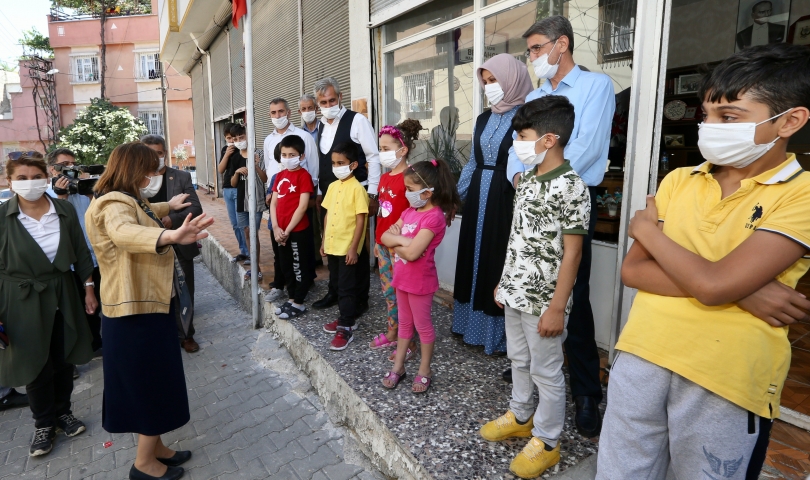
[340, 125]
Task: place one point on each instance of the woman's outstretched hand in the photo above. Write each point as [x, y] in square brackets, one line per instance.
[191, 230]
[178, 202]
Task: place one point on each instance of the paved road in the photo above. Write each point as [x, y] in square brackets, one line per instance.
[252, 414]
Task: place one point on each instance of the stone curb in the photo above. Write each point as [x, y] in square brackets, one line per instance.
[344, 405]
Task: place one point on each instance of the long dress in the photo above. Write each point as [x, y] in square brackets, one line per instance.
[470, 320]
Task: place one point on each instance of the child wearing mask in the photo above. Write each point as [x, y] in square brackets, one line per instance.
[346, 205]
[292, 231]
[396, 143]
[279, 282]
[229, 193]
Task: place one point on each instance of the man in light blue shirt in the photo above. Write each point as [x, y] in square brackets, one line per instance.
[550, 47]
[65, 158]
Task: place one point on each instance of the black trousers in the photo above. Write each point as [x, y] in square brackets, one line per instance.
[580, 346]
[365, 282]
[314, 239]
[49, 393]
[93, 320]
[351, 282]
[188, 270]
[279, 279]
[296, 263]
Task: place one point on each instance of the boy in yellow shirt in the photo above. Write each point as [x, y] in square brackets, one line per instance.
[346, 204]
[717, 252]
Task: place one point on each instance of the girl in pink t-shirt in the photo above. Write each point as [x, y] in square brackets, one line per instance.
[431, 192]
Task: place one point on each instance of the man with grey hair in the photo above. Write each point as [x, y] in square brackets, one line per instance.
[550, 48]
[340, 125]
[176, 182]
[309, 120]
[280, 116]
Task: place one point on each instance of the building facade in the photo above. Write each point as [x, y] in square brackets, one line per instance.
[134, 68]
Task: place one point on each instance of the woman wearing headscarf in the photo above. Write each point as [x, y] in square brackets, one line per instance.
[488, 198]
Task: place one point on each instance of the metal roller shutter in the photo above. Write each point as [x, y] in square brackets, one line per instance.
[237, 68]
[327, 54]
[276, 66]
[219, 76]
[200, 138]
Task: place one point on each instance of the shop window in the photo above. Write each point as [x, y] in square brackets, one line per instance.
[153, 120]
[85, 69]
[433, 81]
[424, 17]
[147, 66]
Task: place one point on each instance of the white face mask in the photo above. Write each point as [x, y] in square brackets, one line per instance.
[161, 163]
[31, 190]
[415, 198]
[241, 145]
[524, 149]
[342, 172]
[153, 188]
[732, 144]
[280, 123]
[389, 159]
[494, 93]
[331, 112]
[229, 144]
[291, 163]
[308, 117]
[542, 68]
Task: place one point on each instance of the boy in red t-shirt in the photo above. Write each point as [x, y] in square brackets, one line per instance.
[291, 228]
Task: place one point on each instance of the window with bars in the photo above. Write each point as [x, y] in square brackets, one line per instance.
[617, 27]
[418, 94]
[85, 69]
[153, 121]
[147, 66]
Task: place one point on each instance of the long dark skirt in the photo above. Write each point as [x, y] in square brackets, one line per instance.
[144, 384]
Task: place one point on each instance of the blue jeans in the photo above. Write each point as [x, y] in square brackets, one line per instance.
[229, 194]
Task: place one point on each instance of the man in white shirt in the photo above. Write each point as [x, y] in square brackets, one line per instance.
[340, 125]
[279, 115]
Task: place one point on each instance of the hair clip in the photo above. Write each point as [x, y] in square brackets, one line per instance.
[434, 162]
[393, 131]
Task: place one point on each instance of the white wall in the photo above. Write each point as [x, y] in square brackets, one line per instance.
[360, 50]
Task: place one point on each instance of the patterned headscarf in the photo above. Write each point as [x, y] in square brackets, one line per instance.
[513, 78]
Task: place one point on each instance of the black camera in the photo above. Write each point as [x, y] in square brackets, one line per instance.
[77, 185]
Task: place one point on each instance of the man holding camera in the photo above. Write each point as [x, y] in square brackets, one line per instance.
[176, 182]
[61, 161]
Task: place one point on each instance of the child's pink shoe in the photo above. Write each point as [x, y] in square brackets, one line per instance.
[381, 341]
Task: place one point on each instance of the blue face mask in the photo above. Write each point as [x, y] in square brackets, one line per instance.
[415, 198]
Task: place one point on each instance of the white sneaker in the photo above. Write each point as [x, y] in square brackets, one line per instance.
[273, 295]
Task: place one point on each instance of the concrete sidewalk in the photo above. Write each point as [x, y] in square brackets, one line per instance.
[252, 414]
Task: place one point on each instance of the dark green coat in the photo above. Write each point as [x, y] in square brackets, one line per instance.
[31, 289]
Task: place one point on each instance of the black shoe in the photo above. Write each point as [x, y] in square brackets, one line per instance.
[43, 441]
[362, 308]
[239, 258]
[70, 425]
[14, 399]
[588, 420]
[172, 473]
[329, 300]
[75, 372]
[507, 375]
[177, 459]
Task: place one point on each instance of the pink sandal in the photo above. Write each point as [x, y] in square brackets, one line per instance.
[394, 377]
[381, 341]
[408, 355]
[421, 380]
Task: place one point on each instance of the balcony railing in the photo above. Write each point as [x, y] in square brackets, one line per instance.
[137, 7]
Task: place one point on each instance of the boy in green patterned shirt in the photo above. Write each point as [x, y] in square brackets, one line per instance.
[552, 210]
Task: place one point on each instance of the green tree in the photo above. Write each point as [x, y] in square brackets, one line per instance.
[36, 43]
[98, 129]
[7, 67]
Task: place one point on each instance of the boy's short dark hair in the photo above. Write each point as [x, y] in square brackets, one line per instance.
[293, 141]
[348, 150]
[237, 129]
[227, 129]
[549, 114]
[777, 75]
[277, 153]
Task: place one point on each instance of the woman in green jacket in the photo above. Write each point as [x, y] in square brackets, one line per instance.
[40, 308]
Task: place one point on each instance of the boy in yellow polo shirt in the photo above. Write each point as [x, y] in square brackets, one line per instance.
[346, 204]
[717, 252]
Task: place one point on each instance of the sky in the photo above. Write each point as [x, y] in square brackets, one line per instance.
[16, 16]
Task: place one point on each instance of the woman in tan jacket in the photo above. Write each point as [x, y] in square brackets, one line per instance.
[144, 293]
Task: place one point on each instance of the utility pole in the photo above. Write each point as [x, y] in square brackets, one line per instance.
[164, 93]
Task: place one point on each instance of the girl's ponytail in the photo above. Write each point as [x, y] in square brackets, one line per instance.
[436, 174]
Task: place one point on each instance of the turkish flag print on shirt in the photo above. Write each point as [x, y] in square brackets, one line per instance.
[289, 186]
